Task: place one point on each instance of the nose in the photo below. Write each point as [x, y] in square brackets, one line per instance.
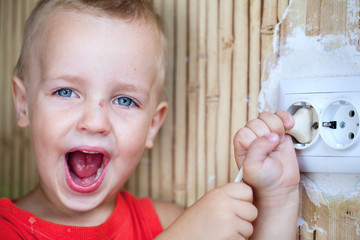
[94, 119]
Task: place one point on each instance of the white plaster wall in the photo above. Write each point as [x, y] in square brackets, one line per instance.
[317, 56]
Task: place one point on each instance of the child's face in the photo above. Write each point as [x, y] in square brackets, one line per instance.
[91, 97]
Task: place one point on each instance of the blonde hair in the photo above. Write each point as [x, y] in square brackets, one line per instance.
[131, 10]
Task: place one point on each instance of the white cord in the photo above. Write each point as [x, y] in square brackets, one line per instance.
[239, 176]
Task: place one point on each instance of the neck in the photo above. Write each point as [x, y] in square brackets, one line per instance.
[38, 204]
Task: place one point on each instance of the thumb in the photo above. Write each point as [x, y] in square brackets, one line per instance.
[261, 148]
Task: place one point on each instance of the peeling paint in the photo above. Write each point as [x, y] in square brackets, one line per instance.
[301, 222]
[312, 56]
[353, 19]
[327, 188]
[336, 197]
[277, 27]
[309, 57]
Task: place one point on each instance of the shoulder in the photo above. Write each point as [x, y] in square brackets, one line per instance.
[7, 206]
[167, 212]
[10, 224]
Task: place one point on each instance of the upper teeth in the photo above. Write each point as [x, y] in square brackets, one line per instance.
[90, 152]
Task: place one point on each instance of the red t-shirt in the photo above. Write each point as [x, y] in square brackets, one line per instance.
[132, 218]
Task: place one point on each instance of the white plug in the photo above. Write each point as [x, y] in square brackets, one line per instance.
[305, 125]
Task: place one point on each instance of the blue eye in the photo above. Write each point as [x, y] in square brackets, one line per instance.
[65, 92]
[124, 101]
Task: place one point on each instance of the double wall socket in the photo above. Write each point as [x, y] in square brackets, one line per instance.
[335, 146]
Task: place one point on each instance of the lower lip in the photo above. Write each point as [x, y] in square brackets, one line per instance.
[84, 189]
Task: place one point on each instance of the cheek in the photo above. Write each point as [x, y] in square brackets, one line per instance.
[130, 146]
[48, 129]
[131, 137]
[46, 124]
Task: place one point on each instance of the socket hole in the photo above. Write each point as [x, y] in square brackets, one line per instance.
[352, 113]
[351, 135]
[347, 118]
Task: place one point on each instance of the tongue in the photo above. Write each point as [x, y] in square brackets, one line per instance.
[84, 165]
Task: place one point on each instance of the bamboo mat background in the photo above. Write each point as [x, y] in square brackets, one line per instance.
[216, 53]
[219, 53]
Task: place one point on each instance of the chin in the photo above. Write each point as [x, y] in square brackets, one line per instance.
[82, 202]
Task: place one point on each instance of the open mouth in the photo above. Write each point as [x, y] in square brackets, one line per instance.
[85, 170]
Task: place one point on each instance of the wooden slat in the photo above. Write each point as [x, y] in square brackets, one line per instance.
[201, 121]
[7, 104]
[282, 6]
[167, 134]
[254, 58]
[144, 175]
[192, 147]
[211, 117]
[19, 133]
[2, 99]
[212, 92]
[296, 18]
[297, 15]
[333, 17]
[25, 168]
[240, 74]
[313, 18]
[180, 102]
[7, 110]
[269, 21]
[223, 139]
[192, 105]
[155, 172]
[155, 153]
[16, 167]
[212, 50]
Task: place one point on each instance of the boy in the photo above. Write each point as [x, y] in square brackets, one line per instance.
[89, 85]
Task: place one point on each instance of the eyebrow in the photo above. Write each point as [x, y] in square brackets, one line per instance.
[128, 87]
[65, 77]
[120, 86]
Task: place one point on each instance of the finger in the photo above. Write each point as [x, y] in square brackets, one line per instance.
[286, 118]
[244, 229]
[273, 122]
[242, 141]
[246, 211]
[262, 147]
[259, 127]
[239, 191]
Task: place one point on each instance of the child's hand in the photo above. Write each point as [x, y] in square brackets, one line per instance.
[267, 155]
[223, 213]
[271, 169]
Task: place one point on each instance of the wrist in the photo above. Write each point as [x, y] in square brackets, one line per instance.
[284, 198]
[274, 212]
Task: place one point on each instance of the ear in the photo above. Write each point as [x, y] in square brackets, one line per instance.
[19, 96]
[157, 121]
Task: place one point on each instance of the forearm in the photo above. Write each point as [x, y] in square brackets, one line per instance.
[277, 218]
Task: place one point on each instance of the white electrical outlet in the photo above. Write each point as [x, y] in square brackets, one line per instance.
[335, 101]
